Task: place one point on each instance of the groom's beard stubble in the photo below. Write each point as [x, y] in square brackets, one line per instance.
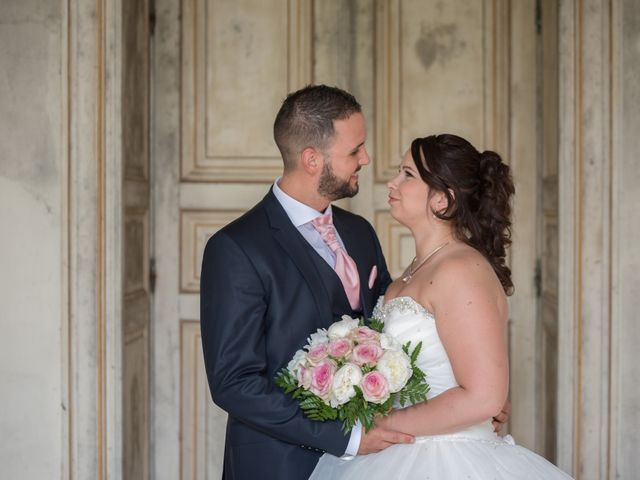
[335, 188]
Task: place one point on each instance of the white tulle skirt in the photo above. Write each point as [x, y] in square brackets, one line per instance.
[476, 453]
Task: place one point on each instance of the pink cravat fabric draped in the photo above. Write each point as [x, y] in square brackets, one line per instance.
[345, 268]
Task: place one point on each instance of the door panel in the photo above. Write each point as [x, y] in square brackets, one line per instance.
[239, 60]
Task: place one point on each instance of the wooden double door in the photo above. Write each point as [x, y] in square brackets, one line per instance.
[206, 78]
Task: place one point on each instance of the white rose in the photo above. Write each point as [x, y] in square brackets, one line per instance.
[319, 337]
[387, 342]
[298, 359]
[343, 381]
[395, 365]
[342, 328]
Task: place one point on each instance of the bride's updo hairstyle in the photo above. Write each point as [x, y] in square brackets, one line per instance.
[478, 187]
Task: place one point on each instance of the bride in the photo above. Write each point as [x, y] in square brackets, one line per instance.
[452, 297]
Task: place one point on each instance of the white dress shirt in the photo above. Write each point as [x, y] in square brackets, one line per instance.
[301, 216]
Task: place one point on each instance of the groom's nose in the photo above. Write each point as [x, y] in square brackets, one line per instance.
[364, 157]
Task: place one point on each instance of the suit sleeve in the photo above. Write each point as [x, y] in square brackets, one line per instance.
[233, 305]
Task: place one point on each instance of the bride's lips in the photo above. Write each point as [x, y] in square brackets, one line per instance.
[392, 199]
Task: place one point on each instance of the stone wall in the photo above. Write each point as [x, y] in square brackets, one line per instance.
[32, 185]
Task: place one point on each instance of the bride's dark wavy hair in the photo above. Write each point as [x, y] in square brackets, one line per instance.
[478, 187]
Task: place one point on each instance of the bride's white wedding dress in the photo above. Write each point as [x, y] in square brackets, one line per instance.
[476, 452]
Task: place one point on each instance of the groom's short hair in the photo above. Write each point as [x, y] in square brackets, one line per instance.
[306, 118]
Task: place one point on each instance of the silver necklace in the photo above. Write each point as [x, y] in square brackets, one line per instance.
[410, 271]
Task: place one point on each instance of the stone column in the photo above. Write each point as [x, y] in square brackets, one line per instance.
[93, 335]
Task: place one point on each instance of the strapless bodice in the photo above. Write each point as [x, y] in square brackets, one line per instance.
[408, 321]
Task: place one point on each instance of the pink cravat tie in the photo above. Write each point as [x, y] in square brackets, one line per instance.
[345, 266]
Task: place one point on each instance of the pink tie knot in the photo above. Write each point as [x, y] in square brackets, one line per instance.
[326, 219]
[324, 226]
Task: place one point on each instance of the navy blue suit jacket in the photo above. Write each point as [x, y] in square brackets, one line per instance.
[263, 291]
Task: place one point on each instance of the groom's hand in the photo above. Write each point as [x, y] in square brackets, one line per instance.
[500, 419]
[379, 438]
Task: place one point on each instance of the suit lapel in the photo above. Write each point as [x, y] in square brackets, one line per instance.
[294, 245]
[355, 249]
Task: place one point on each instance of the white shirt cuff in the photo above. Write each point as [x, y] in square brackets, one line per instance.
[354, 441]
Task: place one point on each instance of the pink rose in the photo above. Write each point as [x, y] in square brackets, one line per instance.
[340, 347]
[364, 335]
[366, 354]
[374, 387]
[317, 353]
[322, 378]
[304, 377]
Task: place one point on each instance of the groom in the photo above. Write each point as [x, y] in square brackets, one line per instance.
[292, 264]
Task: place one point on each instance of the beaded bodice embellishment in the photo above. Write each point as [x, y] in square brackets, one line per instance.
[405, 305]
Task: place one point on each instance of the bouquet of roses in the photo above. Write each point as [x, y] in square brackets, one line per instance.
[353, 372]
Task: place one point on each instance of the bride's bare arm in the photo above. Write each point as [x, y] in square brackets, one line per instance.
[471, 312]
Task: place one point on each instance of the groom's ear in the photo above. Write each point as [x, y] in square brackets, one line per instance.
[310, 160]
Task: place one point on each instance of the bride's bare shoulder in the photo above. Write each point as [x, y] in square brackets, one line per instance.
[460, 256]
[463, 267]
